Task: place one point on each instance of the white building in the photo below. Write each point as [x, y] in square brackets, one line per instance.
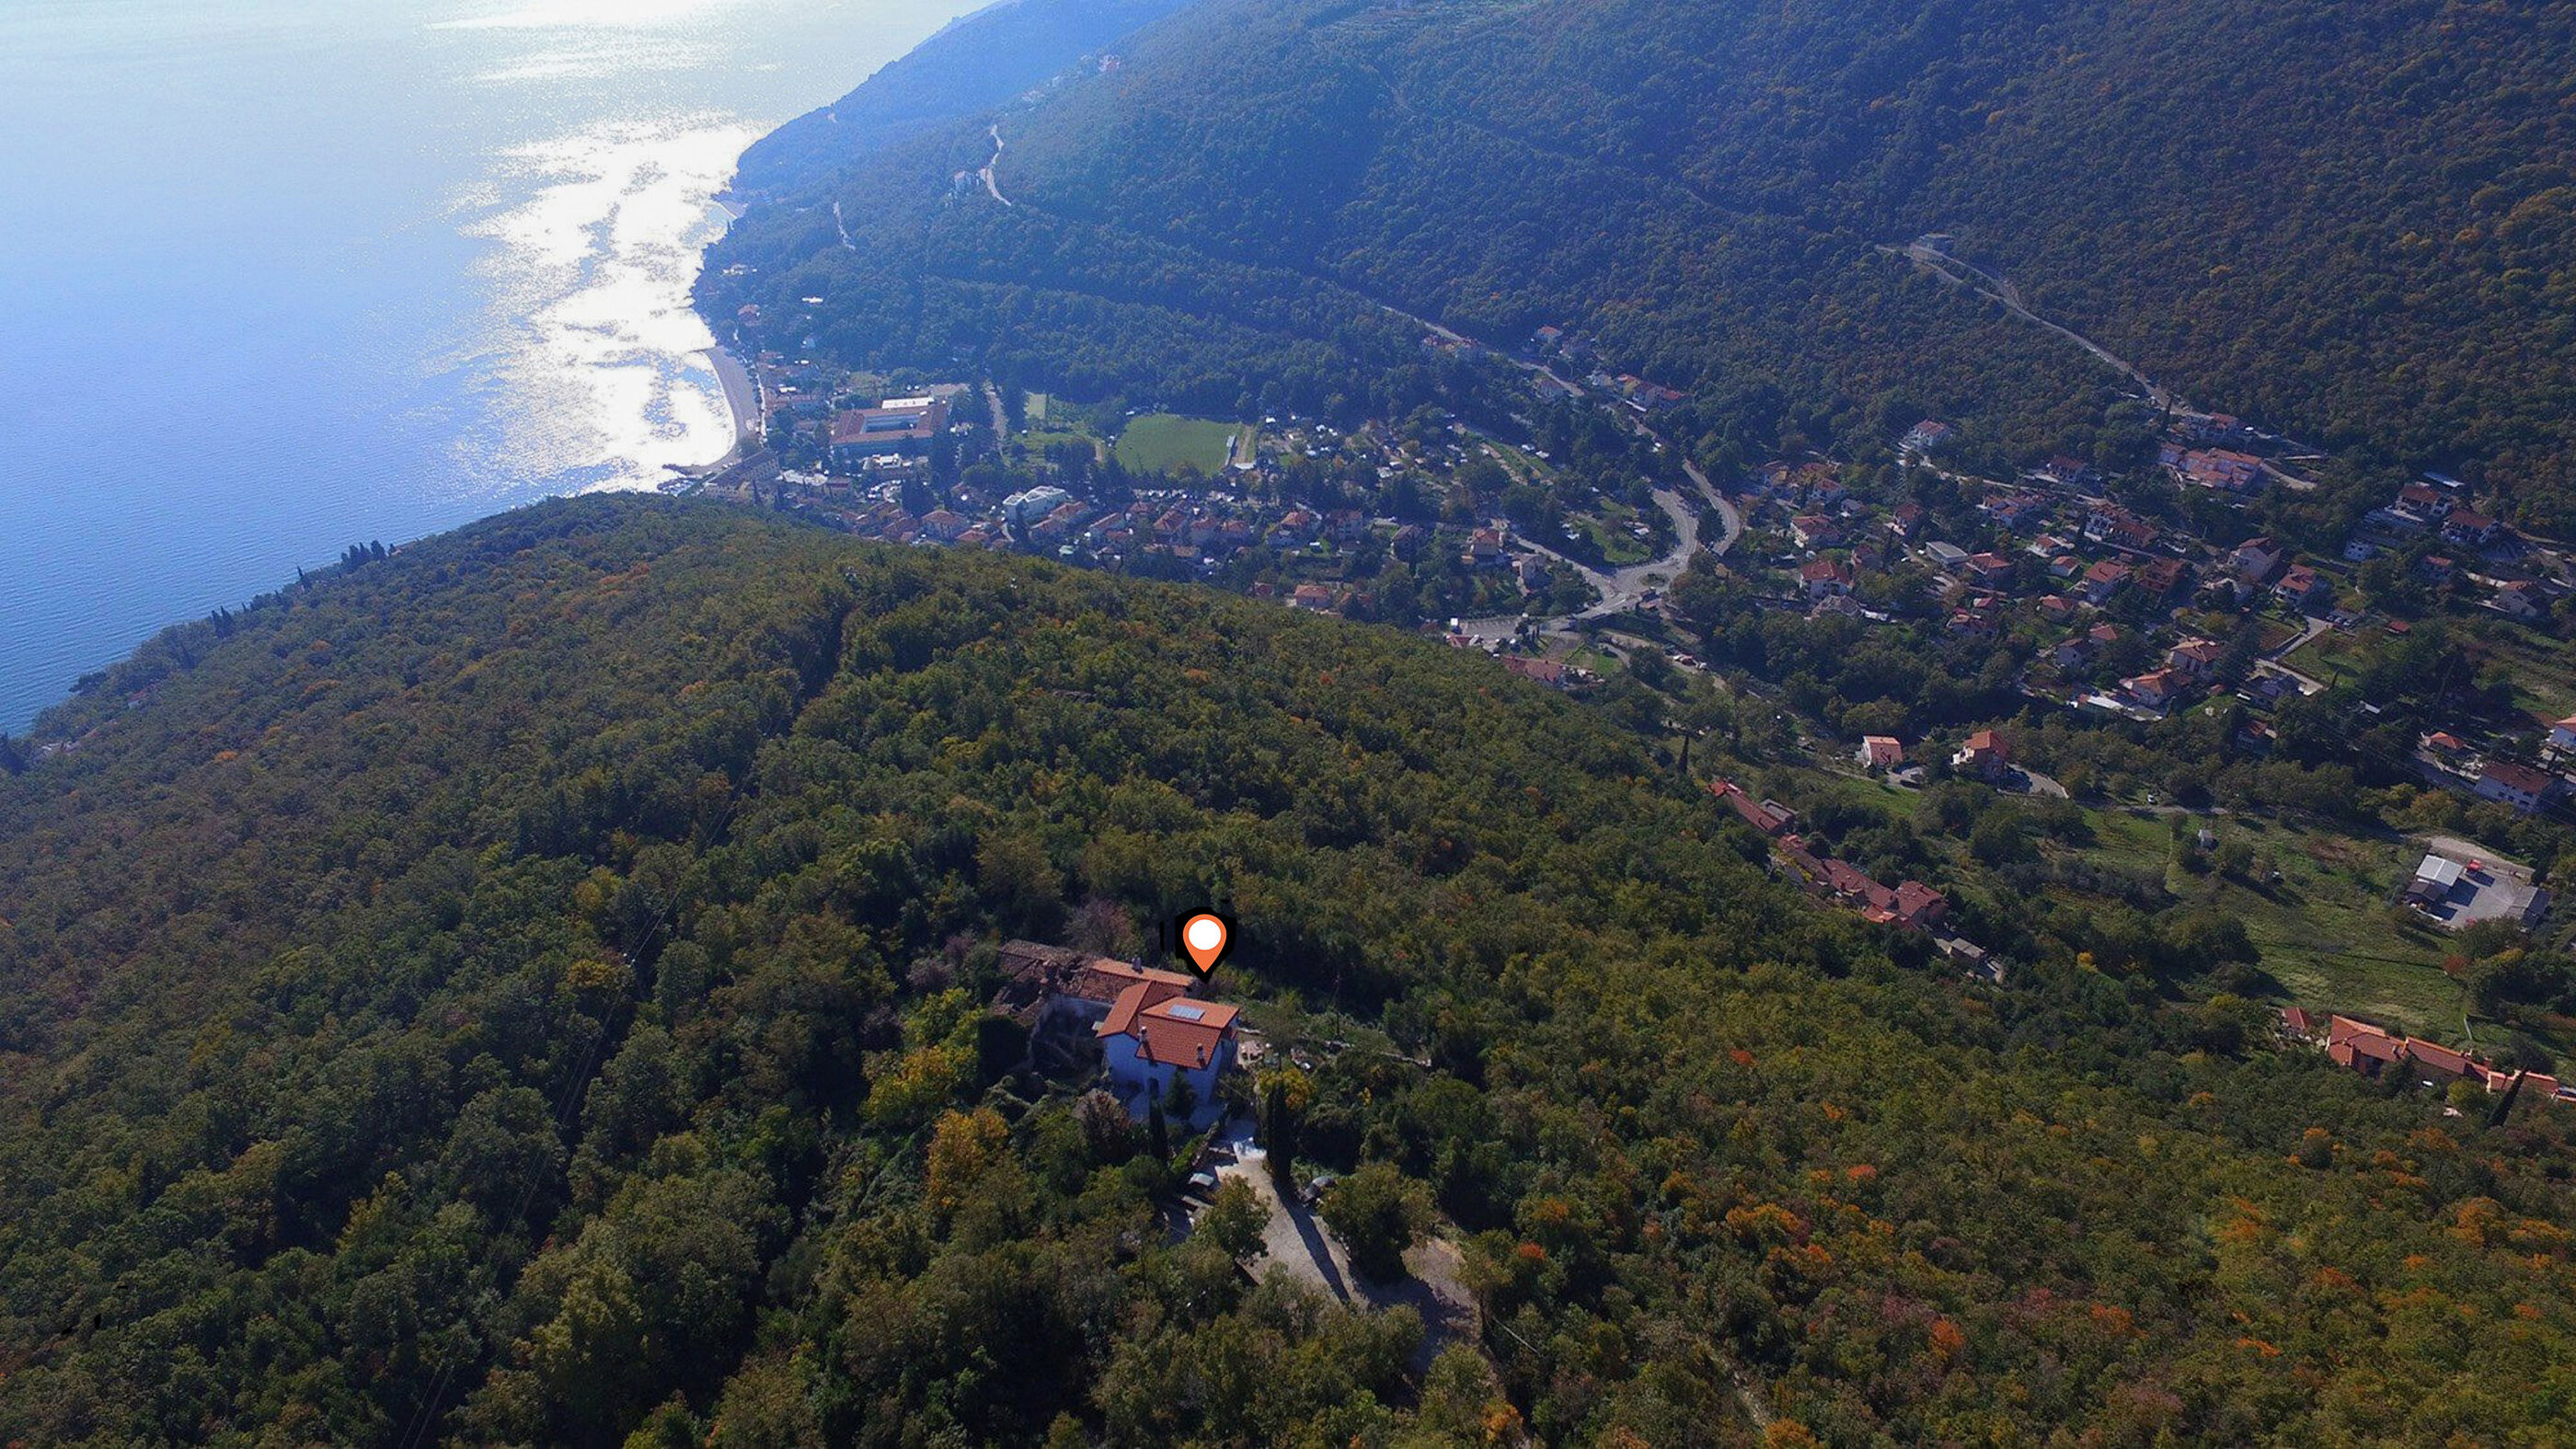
[1154, 1034]
[1034, 503]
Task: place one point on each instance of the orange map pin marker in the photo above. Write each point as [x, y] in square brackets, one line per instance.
[1205, 935]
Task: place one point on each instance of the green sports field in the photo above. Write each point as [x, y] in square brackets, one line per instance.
[1161, 442]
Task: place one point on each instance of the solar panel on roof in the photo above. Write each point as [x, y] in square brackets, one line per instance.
[1186, 1013]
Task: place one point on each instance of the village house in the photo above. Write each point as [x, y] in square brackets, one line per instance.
[2422, 504]
[2014, 511]
[2209, 427]
[1156, 1036]
[2217, 468]
[2195, 658]
[1991, 569]
[1820, 577]
[1551, 672]
[2520, 600]
[2064, 471]
[1927, 436]
[1917, 907]
[2562, 736]
[1815, 530]
[1313, 598]
[2448, 748]
[1985, 755]
[2103, 580]
[2464, 529]
[1770, 817]
[1880, 752]
[2364, 1048]
[2156, 689]
[1853, 886]
[2302, 588]
[2161, 578]
[2524, 787]
[2373, 1050]
[1970, 957]
[2256, 560]
[1977, 621]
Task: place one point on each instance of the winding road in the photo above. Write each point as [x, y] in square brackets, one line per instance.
[1927, 252]
[1620, 589]
[991, 185]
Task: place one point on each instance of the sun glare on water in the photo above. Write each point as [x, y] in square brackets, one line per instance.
[574, 14]
[591, 325]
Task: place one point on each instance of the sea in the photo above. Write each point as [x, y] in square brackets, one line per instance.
[280, 276]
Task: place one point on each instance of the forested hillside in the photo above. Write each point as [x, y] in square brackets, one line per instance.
[982, 59]
[530, 989]
[2347, 221]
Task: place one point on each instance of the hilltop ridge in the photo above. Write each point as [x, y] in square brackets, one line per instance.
[533, 988]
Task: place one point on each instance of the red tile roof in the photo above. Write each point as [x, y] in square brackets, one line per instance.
[1916, 901]
[1108, 980]
[2440, 1058]
[1170, 1030]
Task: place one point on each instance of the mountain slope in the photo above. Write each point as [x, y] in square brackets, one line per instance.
[2347, 221]
[530, 989]
[976, 62]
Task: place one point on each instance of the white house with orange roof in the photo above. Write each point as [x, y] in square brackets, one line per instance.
[1156, 1034]
[2562, 736]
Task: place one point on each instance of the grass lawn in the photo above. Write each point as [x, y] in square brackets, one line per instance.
[1611, 541]
[2542, 667]
[2331, 655]
[1162, 442]
[1878, 794]
[2324, 927]
[1599, 661]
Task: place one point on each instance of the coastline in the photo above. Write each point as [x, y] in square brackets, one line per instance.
[742, 399]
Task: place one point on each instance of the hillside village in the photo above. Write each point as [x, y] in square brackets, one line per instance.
[1570, 541]
[2112, 607]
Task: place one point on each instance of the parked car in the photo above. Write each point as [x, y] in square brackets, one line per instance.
[1316, 1189]
[1202, 1183]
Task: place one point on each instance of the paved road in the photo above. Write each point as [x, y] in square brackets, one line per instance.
[991, 185]
[1298, 1243]
[1620, 589]
[2315, 627]
[1960, 273]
